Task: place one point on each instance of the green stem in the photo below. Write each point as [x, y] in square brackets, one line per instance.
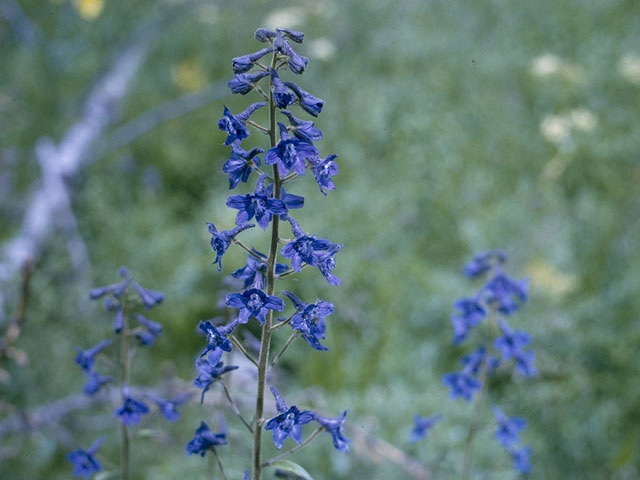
[233, 405]
[283, 349]
[215, 453]
[124, 360]
[240, 347]
[294, 449]
[265, 341]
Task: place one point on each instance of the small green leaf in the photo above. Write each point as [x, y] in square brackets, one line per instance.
[290, 470]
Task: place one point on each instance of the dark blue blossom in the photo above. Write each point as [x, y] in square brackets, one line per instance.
[501, 292]
[84, 462]
[256, 268]
[150, 332]
[131, 409]
[297, 63]
[245, 63]
[511, 344]
[326, 262]
[263, 35]
[95, 383]
[86, 358]
[309, 319]
[254, 303]
[509, 428]
[335, 427]
[149, 298]
[118, 320]
[235, 125]
[240, 165]
[305, 248]
[422, 425]
[243, 83]
[289, 421]
[281, 94]
[290, 153]
[259, 204]
[525, 363]
[310, 104]
[474, 361]
[521, 459]
[205, 439]
[304, 130]
[220, 241]
[292, 35]
[483, 262]
[246, 475]
[169, 408]
[461, 384]
[323, 171]
[470, 313]
[209, 368]
[217, 336]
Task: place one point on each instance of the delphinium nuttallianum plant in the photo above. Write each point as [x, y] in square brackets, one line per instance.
[125, 300]
[500, 348]
[290, 154]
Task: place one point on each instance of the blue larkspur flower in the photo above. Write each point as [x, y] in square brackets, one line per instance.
[240, 165]
[244, 63]
[220, 241]
[235, 125]
[118, 319]
[502, 291]
[309, 319]
[521, 459]
[484, 262]
[290, 153]
[281, 93]
[169, 408]
[511, 342]
[509, 428]
[326, 262]
[217, 336]
[288, 422]
[264, 35]
[151, 330]
[309, 103]
[253, 273]
[462, 384]
[525, 363]
[243, 83]
[131, 410]
[304, 248]
[335, 427]
[323, 171]
[84, 462]
[86, 358]
[259, 204]
[297, 63]
[149, 298]
[210, 368]
[95, 383]
[304, 130]
[254, 303]
[422, 425]
[470, 313]
[204, 439]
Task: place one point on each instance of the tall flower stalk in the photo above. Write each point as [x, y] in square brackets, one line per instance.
[290, 154]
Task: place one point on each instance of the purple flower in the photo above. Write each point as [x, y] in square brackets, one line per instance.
[289, 421]
[205, 439]
[305, 248]
[244, 83]
[209, 368]
[281, 94]
[309, 319]
[290, 153]
[509, 428]
[254, 271]
[235, 125]
[245, 63]
[323, 172]
[326, 262]
[264, 35]
[470, 313]
[240, 165]
[149, 298]
[118, 320]
[303, 129]
[521, 459]
[169, 408]
[483, 262]
[254, 303]
[511, 343]
[474, 361]
[84, 462]
[334, 426]
[151, 331]
[258, 204]
[525, 363]
[217, 336]
[502, 290]
[310, 104]
[220, 241]
[461, 384]
[422, 425]
[86, 358]
[95, 383]
[297, 63]
[131, 410]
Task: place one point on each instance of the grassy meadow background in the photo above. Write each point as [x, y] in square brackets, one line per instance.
[460, 126]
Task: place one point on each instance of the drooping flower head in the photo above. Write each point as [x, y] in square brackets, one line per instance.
[243, 83]
[288, 422]
[281, 93]
[304, 130]
[297, 63]
[220, 241]
[305, 248]
[309, 319]
[470, 313]
[95, 383]
[422, 425]
[254, 271]
[461, 384]
[254, 303]
[309, 103]
[240, 165]
[245, 63]
[210, 368]
[217, 336]
[131, 410]
[169, 408]
[235, 125]
[335, 427]
[484, 262]
[502, 291]
[84, 462]
[204, 439]
[323, 171]
[326, 262]
[86, 358]
[509, 428]
[521, 459]
[149, 330]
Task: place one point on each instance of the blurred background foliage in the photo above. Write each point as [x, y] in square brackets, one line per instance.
[460, 126]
